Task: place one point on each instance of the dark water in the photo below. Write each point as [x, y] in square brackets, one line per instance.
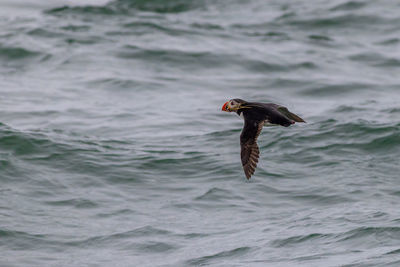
[114, 151]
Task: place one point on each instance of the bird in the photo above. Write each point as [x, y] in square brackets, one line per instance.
[256, 115]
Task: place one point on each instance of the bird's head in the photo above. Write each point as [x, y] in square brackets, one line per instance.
[234, 105]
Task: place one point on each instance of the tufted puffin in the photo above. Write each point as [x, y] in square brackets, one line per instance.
[256, 115]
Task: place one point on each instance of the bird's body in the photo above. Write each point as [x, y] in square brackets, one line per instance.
[256, 115]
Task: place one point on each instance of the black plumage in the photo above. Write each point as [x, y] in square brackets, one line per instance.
[255, 116]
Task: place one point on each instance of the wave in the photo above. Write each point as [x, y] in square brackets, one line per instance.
[217, 194]
[367, 231]
[348, 20]
[350, 5]
[17, 58]
[295, 240]
[159, 6]
[367, 235]
[321, 90]
[126, 7]
[20, 143]
[362, 136]
[17, 53]
[63, 154]
[223, 255]
[375, 60]
[327, 145]
[208, 60]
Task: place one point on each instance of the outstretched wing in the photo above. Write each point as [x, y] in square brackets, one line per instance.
[276, 114]
[289, 114]
[248, 143]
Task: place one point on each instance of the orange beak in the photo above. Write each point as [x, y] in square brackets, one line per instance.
[225, 107]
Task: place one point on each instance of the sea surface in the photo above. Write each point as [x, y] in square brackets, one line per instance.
[114, 150]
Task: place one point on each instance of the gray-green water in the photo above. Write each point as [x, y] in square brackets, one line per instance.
[114, 151]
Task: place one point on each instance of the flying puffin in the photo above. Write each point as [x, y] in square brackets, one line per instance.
[256, 115]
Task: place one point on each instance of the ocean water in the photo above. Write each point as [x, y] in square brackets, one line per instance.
[114, 150]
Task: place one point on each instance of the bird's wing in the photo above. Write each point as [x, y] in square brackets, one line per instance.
[277, 114]
[248, 143]
[289, 114]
